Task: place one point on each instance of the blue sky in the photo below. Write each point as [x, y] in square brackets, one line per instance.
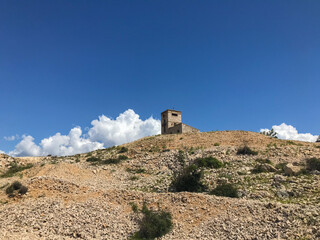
[225, 64]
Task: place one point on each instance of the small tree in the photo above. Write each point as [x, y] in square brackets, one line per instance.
[189, 180]
[225, 190]
[154, 224]
[313, 164]
[16, 188]
[245, 150]
[270, 133]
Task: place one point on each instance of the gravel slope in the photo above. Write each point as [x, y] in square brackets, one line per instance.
[70, 198]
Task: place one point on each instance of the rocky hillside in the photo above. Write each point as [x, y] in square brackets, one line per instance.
[91, 196]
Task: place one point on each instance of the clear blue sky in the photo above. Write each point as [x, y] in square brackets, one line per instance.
[226, 64]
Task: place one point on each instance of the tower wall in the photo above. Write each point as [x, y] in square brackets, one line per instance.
[169, 118]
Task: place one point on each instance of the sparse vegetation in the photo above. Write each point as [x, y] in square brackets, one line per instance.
[181, 157]
[123, 150]
[280, 166]
[15, 168]
[208, 162]
[99, 161]
[154, 224]
[93, 159]
[16, 188]
[261, 160]
[110, 161]
[272, 145]
[313, 164]
[246, 151]
[289, 142]
[191, 151]
[216, 144]
[134, 207]
[263, 167]
[270, 133]
[225, 190]
[137, 170]
[189, 180]
[155, 149]
[133, 178]
[122, 157]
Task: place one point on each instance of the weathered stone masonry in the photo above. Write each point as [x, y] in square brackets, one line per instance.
[171, 123]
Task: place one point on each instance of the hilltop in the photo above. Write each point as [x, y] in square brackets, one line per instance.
[90, 196]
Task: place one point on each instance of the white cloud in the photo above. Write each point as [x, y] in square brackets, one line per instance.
[289, 132]
[69, 144]
[125, 128]
[11, 138]
[105, 132]
[2, 151]
[26, 147]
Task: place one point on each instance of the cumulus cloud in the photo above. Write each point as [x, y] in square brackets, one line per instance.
[72, 143]
[26, 147]
[289, 132]
[2, 151]
[125, 128]
[105, 132]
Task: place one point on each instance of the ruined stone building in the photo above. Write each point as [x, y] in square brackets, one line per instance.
[171, 123]
[318, 140]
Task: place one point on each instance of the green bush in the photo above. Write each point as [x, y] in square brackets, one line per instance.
[123, 150]
[208, 162]
[23, 190]
[134, 207]
[154, 224]
[181, 157]
[98, 161]
[246, 151]
[111, 161]
[216, 144]
[189, 180]
[122, 157]
[93, 159]
[14, 188]
[114, 160]
[225, 190]
[133, 178]
[313, 164]
[14, 168]
[191, 151]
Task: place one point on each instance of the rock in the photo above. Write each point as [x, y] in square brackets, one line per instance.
[279, 178]
[291, 170]
[282, 194]
[266, 168]
[242, 193]
[315, 172]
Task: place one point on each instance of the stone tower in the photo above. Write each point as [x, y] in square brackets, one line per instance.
[171, 123]
[318, 140]
[169, 118]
